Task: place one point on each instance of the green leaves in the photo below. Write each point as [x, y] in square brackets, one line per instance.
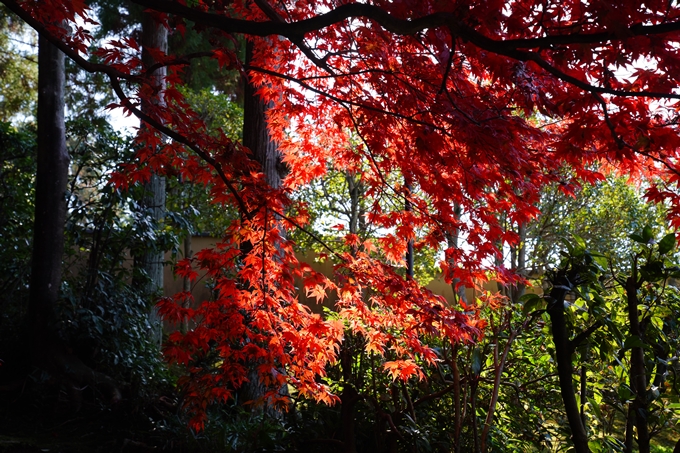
[532, 303]
[476, 367]
[667, 243]
[647, 237]
[633, 342]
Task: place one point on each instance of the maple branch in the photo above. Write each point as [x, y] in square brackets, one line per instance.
[594, 38]
[621, 143]
[394, 25]
[61, 45]
[346, 102]
[297, 30]
[499, 47]
[624, 144]
[115, 84]
[449, 64]
[434, 395]
[299, 42]
[312, 235]
[184, 60]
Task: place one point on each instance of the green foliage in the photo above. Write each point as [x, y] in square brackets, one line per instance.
[232, 429]
[600, 306]
[188, 205]
[604, 215]
[205, 73]
[101, 313]
[18, 69]
[17, 186]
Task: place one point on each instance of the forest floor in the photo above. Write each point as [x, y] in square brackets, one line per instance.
[50, 425]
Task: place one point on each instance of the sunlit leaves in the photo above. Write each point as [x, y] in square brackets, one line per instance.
[463, 121]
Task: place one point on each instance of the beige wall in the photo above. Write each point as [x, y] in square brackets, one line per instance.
[200, 291]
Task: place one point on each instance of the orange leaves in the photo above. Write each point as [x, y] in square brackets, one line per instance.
[393, 247]
[403, 370]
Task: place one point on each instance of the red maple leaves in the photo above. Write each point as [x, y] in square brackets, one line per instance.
[476, 105]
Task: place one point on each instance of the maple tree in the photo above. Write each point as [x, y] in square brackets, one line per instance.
[478, 105]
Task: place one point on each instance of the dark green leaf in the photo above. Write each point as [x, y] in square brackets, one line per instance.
[637, 238]
[633, 342]
[476, 361]
[532, 302]
[580, 243]
[667, 243]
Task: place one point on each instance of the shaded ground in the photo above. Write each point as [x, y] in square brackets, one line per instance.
[51, 423]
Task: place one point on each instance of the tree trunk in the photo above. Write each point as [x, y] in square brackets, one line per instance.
[350, 396]
[638, 374]
[452, 242]
[149, 263]
[47, 351]
[50, 203]
[563, 355]
[256, 133]
[265, 151]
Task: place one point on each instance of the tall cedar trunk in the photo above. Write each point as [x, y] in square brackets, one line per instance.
[149, 264]
[563, 355]
[265, 151]
[50, 196]
[637, 413]
[256, 134]
[47, 351]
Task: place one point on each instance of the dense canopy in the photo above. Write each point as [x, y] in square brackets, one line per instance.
[455, 114]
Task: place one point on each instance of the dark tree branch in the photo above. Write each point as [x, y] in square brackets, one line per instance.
[581, 337]
[61, 45]
[183, 140]
[395, 25]
[295, 32]
[299, 42]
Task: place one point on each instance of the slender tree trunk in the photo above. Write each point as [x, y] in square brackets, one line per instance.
[348, 400]
[520, 265]
[500, 365]
[564, 365]
[457, 399]
[638, 374]
[349, 396]
[149, 264]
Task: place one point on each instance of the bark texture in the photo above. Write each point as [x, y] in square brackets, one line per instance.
[563, 357]
[149, 264]
[637, 412]
[50, 203]
[47, 351]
